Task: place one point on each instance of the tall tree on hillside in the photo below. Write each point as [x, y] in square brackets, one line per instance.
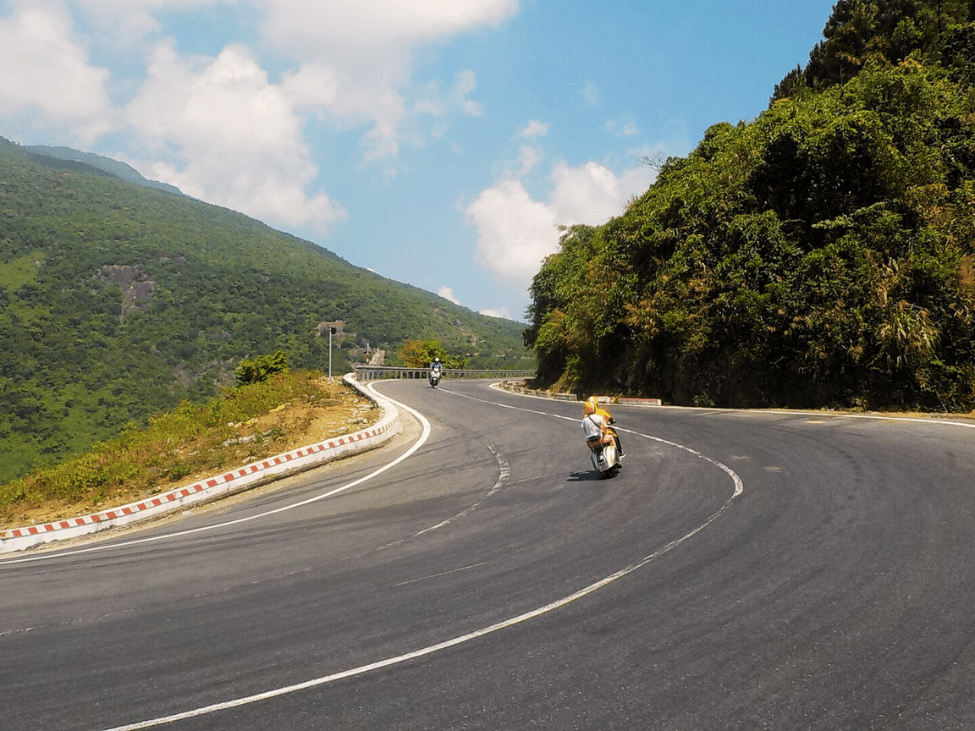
[420, 353]
[859, 32]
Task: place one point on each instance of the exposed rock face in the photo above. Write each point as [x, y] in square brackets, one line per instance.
[137, 286]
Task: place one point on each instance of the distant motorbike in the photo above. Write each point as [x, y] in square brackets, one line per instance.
[434, 378]
[604, 455]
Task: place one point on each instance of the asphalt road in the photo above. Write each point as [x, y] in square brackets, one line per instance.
[746, 570]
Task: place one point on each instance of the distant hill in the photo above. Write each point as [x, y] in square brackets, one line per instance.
[119, 300]
[63, 157]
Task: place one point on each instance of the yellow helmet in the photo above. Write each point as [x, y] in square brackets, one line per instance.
[590, 406]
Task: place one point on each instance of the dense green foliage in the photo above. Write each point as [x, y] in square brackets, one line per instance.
[420, 354]
[821, 254]
[860, 33]
[261, 368]
[119, 301]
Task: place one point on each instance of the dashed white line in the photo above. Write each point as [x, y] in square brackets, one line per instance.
[442, 573]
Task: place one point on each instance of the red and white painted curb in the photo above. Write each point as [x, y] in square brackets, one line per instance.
[18, 539]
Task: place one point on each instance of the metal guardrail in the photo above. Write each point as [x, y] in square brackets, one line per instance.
[373, 373]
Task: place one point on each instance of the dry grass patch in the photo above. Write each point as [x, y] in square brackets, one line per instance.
[195, 441]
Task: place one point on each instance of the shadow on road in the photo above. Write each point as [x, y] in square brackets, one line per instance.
[587, 476]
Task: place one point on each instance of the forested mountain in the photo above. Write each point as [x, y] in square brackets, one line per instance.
[823, 253]
[117, 301]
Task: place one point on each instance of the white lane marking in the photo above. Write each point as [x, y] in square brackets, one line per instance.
[502, 478]
[431, 649]
[443, 573]
[427, 430]
[739, 486]
[709, 411]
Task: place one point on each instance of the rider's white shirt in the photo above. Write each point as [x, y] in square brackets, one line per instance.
[593, 425]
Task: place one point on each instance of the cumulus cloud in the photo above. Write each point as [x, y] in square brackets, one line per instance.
[528, 159]
[534, 128]
[45, 71]
[516, 232]
[365, 51]
[222, 127]
[448, 294]
[591, 194]
[370, 31]
[465, 83]
[502, 313]
[622, 128]
[238, 136]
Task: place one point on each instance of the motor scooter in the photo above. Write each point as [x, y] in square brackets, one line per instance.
[434, 378]
[603, 454]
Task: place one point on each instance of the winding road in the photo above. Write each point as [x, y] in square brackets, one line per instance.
[746, 570]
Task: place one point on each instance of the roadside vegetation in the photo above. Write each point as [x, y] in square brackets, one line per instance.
[420, 354]
[260, 418]
[822, 254]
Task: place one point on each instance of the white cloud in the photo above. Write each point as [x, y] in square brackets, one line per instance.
[591, 95]
[516, 232]
[218, 126]
[535, 128]
[365, 51]
[238, 135]
[623, 128]
[502, 313]
[465, 83]
[448, 294]
[374, 32]
[528, 159]
[45, 71]
[593, 194]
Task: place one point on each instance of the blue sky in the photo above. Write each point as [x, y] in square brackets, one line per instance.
[437, 142]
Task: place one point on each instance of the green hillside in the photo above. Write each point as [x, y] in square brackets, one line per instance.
[821, 254]
[117, 301]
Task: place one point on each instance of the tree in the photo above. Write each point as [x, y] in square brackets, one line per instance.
[821, 254]
[261, 368]
[420, 353]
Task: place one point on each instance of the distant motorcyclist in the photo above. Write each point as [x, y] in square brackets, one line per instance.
[436, 372]
[596, 419]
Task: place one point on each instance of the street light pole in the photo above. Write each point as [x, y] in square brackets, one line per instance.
[331, 331]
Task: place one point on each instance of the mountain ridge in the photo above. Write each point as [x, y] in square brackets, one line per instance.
[53, 155]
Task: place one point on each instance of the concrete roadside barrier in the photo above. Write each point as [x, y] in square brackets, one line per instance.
[520, 387]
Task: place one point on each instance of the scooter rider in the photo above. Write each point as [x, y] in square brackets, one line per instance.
[436, 367]
[599, 418]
